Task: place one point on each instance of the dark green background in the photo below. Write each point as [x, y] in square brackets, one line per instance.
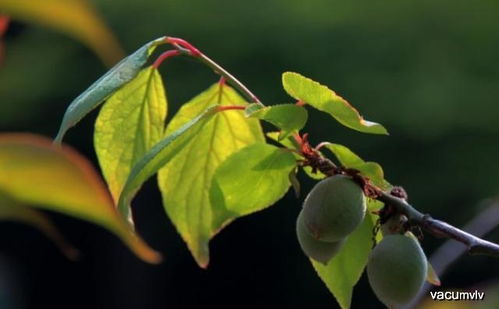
[427, 70]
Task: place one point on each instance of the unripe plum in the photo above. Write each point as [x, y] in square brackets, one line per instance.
[334, 208]
[396, 269]
[318, 250]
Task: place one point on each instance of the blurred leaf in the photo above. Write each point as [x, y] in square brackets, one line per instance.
[131, 121]
[262, 173]
[76, 18]
[289, 118]
[342, 273]
[326, 100]
[185, 181]
[349, 159]
[295, 183]
[116, 77]
[36, 173]
[12, 210]
[159, 155]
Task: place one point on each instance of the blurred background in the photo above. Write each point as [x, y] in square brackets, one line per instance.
[427, 70]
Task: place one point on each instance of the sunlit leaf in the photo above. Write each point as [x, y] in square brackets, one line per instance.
[36, 173]
[185, 181]
[159, 155]
[101, 89]
[249, 180]
[349, 159]
[130, 122]
[342, 273]
[326, 100]
[12, 210]
[76, 18]
[289, 118]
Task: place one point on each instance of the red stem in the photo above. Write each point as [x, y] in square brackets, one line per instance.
[300, 103]
[183, 43]
[230, 107]
[4, 23]
[167, 54]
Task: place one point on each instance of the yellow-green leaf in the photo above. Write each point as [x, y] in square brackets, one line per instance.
[76, 18]
[349, 159]
[342, 273]
[36, 173]
[159, 155]
[102, 88]
[249, 180]
[185, 181]
[290, 118]
[326, 100]
[130, 122]
[12, 210]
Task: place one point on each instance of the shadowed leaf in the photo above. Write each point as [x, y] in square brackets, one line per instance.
[12, 210]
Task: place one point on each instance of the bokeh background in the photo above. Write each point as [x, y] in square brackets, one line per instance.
[427, 70]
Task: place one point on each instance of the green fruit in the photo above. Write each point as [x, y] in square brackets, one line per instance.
[334, 208]
[321, 251]
[396, 269]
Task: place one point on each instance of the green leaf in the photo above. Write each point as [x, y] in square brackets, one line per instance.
[342, 273]
[289, 118]
[39, 174]
[76, 18]
[159, 155]
[116, 77]
[326, 100]
[262, 173]
[185, 181]
[287, 142]
[12, 210]
[349, 159]
[290, 143]
[130, 122]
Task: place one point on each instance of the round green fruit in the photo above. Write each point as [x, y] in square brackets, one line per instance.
[334, 208]
[321, 251]
[396, 269]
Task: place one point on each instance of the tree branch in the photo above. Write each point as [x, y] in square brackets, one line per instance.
[435, 227]
[439, 228]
